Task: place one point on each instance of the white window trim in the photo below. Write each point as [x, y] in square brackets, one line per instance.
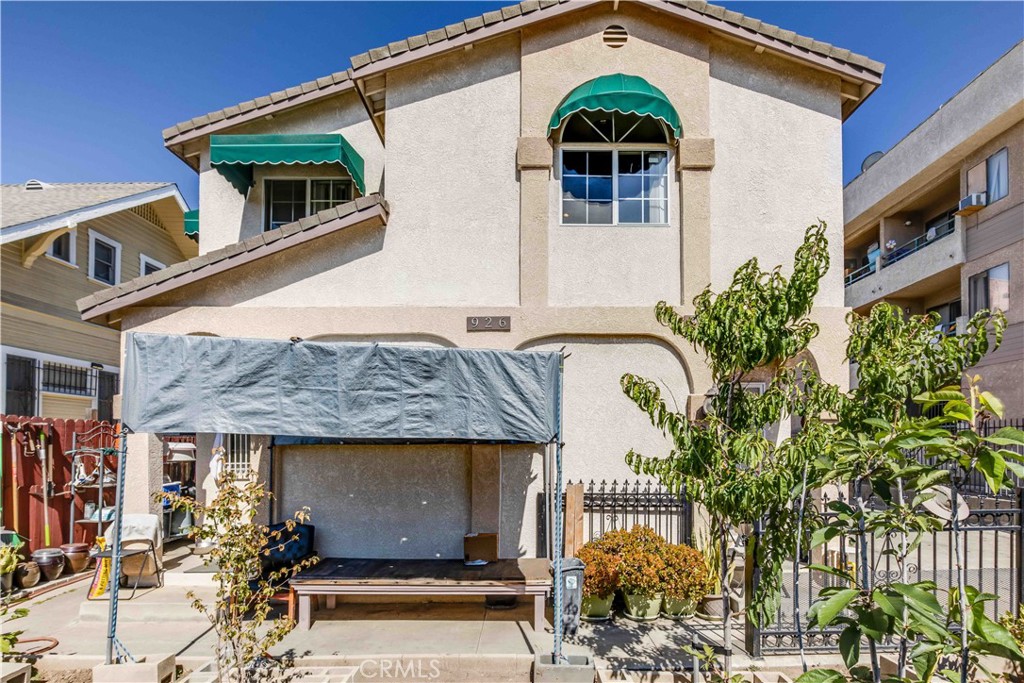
[616, 148]
[144, 260]
[73, 251]
[309, 194]
[116, 246]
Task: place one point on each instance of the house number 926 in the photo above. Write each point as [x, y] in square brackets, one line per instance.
[489, 323]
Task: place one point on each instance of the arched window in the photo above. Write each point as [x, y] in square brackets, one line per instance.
[614, 135]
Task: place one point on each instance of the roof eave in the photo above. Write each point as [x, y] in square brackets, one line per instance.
[100, 305]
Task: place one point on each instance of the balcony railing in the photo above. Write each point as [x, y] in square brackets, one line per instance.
[859, 274]
[918, 243]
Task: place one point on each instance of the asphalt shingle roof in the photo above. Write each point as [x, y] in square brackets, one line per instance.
[18, 205]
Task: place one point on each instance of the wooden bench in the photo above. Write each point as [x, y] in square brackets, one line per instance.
[334, 576]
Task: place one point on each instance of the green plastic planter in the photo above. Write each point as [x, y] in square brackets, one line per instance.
[678, 609]
[597, 609]
[643, 608]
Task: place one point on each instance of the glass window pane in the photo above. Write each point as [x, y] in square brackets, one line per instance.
[599, 213]
[997, 169]
[574, 163]
[630, 162]
[342, 191]
[320, 190]
[999, 288]
[574, 212]
[631, 187]
[630, 211]
[656, 162]
[655, 187]
[61, 247]
[656, 212]
[599, 188]
[574, 187]
[599, 163]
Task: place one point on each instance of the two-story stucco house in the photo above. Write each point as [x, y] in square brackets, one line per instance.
[63, 241]
[533, 178]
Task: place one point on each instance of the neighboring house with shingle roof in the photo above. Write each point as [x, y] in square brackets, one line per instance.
[62, 241]
[532, 178]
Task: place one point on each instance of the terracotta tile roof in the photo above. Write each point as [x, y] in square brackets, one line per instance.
[261, 106]
[19, 205]
[530, 6]
[219, 260]
[492, 22]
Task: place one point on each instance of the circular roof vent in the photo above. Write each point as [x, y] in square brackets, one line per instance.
[615, 36]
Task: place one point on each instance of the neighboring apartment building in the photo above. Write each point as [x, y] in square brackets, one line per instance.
[937, 222]
[63, 241]
[533, 178]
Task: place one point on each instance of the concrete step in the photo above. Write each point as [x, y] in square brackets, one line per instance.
[168, 604]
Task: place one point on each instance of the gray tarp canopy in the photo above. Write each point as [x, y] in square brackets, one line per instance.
[358, 392]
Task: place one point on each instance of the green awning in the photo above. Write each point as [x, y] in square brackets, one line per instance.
[621, 93]
[235, 155]
[192, 223]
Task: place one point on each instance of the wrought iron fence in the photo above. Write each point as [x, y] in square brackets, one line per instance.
[976, 483]
[621, 505]
[991, 541]
[28, 378]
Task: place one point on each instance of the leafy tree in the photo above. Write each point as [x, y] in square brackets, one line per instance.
[756, 326]
[242, 605]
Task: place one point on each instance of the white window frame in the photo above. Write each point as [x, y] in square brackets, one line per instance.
[144, 260]
[116, 246]
[615, 148]
[989, 197]
[72, 252]
[309, 193]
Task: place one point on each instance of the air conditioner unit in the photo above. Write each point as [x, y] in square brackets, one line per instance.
[972, 203]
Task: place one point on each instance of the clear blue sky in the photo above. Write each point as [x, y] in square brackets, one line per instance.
[87, 87]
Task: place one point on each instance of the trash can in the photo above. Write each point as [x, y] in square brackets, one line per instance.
[572, 593]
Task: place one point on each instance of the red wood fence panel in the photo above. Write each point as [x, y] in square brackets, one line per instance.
[19, 438]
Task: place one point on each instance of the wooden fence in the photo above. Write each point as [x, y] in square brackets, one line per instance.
[22, 479]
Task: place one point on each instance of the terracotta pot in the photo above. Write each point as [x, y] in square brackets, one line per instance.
[711, 607]
[77, 556]
[595, 608]
[51, 562]
[27, 574]
[643, 608]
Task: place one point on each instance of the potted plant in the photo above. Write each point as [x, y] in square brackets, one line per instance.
[711, 605]
[600, 580]
[684, 581]
[8, 563]
[640, 573]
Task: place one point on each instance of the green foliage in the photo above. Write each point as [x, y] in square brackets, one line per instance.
[240, 614]
[685, 576]
[934, 625]
[9, 639]
[759, 323]
[9, 558]
[601, 570]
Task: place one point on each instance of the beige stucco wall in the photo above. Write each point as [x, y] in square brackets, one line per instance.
[778, 163]
[225, 216]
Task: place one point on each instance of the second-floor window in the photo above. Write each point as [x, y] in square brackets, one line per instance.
[288, 200]
[63, 248]
[997, 170]
[614, 170]
[990, 289]
[104, 259]
[148, 266]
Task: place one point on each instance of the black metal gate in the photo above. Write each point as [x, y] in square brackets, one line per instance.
[621, 505]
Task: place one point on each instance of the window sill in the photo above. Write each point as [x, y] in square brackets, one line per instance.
[90, 278]
[615, 225]
[66, 264]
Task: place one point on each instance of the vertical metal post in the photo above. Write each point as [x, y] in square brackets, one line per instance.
[115, 548]
[1019, 533]
[557, 546]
